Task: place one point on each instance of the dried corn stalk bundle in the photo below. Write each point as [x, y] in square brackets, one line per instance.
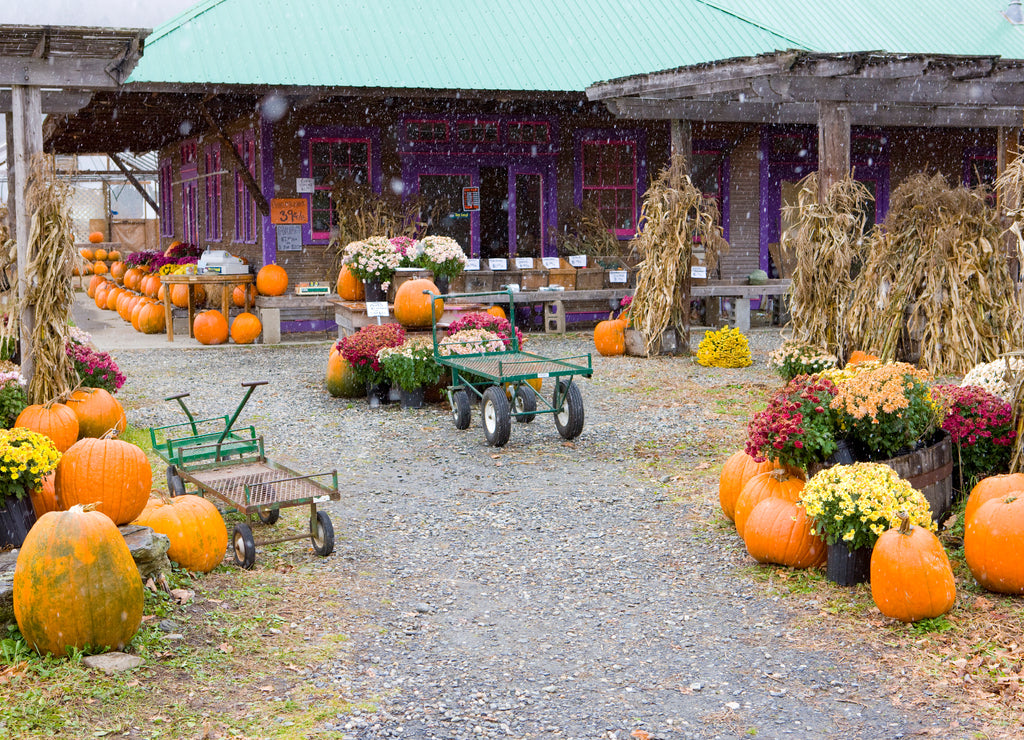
[827, 240]
[675, 215]
[8, 287]
[51, 251]
[936, 288]
[584, 231]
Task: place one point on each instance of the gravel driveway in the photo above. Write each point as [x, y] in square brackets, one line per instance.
[547, 589]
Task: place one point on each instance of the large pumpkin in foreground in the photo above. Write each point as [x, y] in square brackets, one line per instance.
[210, 327]
[246, 328]
[911, 578]
[114, 475]
[342, 381]
[412, 307]
[610, 337]
[779, 532]
[195, 528]
[98, 412]
[994, 544]
[75, 584]
[995, 486]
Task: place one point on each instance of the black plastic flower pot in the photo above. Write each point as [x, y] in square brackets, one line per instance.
[16, 518]
[848, 567]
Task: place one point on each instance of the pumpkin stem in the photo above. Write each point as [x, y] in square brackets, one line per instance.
[781, 475]
[110, 433]
[904, 522]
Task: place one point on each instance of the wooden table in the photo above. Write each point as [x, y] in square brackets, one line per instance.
[205, 279]
[350, 316]
[742, 292]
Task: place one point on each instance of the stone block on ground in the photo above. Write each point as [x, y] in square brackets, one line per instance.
[112, 662]
[148, 549]
[7, 561]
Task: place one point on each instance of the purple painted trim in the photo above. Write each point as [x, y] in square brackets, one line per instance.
[342, 132]
[411, 172]
[267, 185]
[454, 147]
[166, 170]
[637, 135]
[288, 327]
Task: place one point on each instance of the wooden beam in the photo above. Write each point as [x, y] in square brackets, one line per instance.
[833, 145]
[65, 72]
[27, 122]
[236, 160]
[12, 204]
[54, 101]
[135, 182]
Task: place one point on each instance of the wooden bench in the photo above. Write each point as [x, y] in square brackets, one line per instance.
[743, 293]
[293, 312]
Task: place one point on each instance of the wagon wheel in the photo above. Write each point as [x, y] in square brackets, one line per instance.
[268, 515]
[525, 404]
[321, 532]
[568, 418]
[175, 485]
[459, 401]
[244, 545]
[496, 416]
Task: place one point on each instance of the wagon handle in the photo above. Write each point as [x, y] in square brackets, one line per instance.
[254, 383]
[191, 419]
[251, 385]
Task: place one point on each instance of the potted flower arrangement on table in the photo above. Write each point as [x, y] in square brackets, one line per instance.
[26, 457]
[411, 368]
[851, 506]
[360, 350]
[444, 257]
[489, 322]
[374, 261]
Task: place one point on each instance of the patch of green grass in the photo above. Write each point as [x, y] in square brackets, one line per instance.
[935, 624]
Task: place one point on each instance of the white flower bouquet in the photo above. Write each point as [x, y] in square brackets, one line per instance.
[372, 260]
[442, 255]
[996, 377]
[471, 342]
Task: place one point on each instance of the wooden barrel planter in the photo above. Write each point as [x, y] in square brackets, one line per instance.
[929, 470]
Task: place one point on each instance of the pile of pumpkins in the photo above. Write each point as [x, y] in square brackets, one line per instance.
[911, 577]
[75, 582]
[97, 260]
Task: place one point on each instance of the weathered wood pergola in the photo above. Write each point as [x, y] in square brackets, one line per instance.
[833, 91]
[43, 70]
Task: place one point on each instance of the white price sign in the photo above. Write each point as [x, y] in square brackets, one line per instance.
[617, 276]
[473, 264]
[551, 263]
[578, 260]
[304, 185]
[497, 263]
[524, 263]
[377, 309]
[698, 271]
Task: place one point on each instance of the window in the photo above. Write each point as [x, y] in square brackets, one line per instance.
[189, 154]
[166, 198]
[330, 160]
[610, 182]
[189, 193]
[528, 132]
[423, 132]
[211, 159]
[980, 167]
[245, 205]
[477, 132]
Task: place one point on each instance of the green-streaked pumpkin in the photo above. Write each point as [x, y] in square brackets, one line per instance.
[76, 585]
[194, 526]
[114, 475]
[342, 381]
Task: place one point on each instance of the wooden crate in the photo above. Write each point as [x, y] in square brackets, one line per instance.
[589, 278]
[534, 279]
[479, 281]
[564, 276]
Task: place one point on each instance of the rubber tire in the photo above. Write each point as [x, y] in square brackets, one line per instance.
[175, 485]
[569, 419]
[268, 515]
[524, 399]
[496, 416]
[244, 546]
[325, 530]
[460, 408]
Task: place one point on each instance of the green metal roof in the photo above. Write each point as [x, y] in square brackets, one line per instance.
[534, 45]
[538, 45]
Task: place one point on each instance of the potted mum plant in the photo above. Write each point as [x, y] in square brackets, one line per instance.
[26, 457]
[444, 257]
[374, 261]
[980, 428]
[851, 506]
[411, 368]
[360, 351]
[12, 397]
[799, 358]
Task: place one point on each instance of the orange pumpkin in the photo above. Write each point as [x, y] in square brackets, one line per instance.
[271, 280]
[113, 474]
[96, 237]
[55, 420]
[179, 295]
[497, 311]
[137, 311]
[738, 469]
[857, 357]
[246, 328]
[98, 412]
[995, 486]
[152, 319]
[118, 270]
[349, 286]
[341, 380]
[114, 255]
[101, 295]
[76, 585]
[99, 268]
[992, 544]
[777, 484]
[238, 295]
[194, 526]
[44, 498]
[132, 278]
[100, 254]
[210, 327]
[87, 254]
[610, 337]
[94, 282]
[150, 285]
[911, 578]
[412, 307]
[780, 532]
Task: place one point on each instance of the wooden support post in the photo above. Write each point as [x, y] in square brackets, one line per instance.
[11, 203]
[682, 141]
[135, 182]
[833, 145]
[27, 115]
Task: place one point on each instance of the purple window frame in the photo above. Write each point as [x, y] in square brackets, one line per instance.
[507, 125]
[479, 121]
[974, 154]
[319, 133]
[213, 193]
[349, 166]
[413, 121]
[245, 204]
[166, 169]
[190, 211]
[616, 137]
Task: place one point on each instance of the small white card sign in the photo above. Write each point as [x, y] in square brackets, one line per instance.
[524, 263]
[497, 263]
[698, 271]
[377, 308]
[551, 263]
[304, 185]
[578, 260]
[473, 264]
[617, 276]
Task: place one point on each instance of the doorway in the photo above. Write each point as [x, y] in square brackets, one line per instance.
[494, 212]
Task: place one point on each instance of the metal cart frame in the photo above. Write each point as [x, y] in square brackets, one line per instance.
[230, 464]
[487, 375]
